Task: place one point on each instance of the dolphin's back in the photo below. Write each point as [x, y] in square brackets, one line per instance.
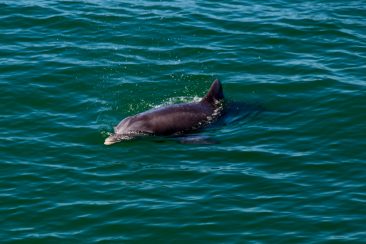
[168, 120]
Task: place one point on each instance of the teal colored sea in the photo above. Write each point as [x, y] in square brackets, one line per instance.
[285, 164]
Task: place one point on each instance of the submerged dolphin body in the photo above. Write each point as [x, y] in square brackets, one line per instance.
[173, 119]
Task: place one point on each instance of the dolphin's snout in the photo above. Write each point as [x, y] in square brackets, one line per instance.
[114, 138]
[110, 140]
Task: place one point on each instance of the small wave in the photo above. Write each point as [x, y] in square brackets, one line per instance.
[176, 100]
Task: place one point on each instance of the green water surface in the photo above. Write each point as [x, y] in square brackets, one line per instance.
[293, 172]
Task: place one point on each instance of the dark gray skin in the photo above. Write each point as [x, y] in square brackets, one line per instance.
[173, 119]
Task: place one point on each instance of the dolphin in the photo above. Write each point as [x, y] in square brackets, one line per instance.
[173, 119]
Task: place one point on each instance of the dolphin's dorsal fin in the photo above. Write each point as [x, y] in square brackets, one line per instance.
[215, 93]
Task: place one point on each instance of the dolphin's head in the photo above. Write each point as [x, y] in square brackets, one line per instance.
[129, 128]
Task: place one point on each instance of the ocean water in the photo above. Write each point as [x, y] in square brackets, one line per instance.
[289, 162]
